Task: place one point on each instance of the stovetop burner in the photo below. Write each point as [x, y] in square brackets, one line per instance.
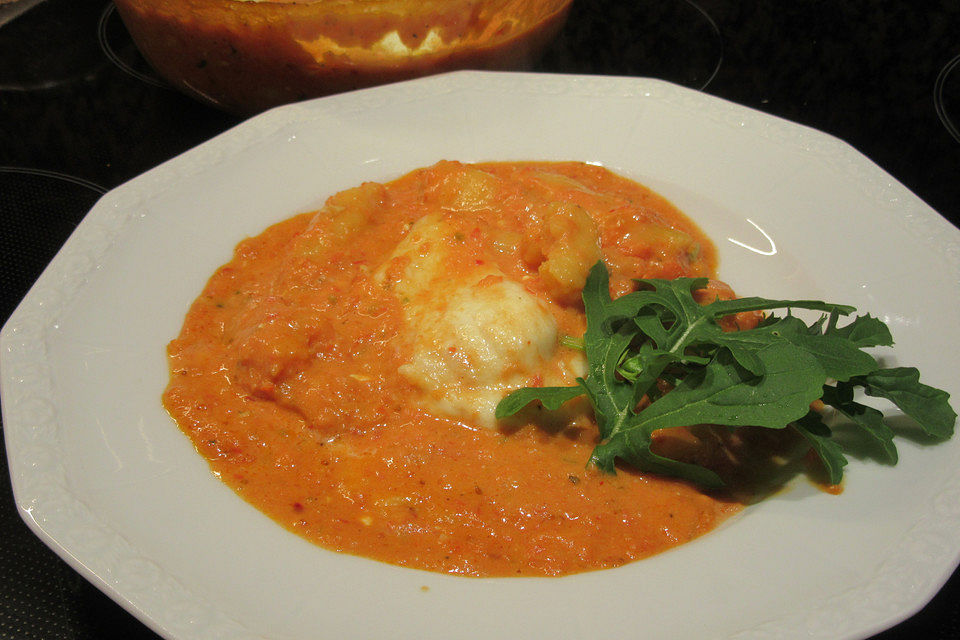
[116, 44]
[946, 97]
[674, 40]
[48, 47]
[28, 196]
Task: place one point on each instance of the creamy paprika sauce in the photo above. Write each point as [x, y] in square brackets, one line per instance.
[340, 372]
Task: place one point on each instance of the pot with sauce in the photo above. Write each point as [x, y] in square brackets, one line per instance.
[246, 56]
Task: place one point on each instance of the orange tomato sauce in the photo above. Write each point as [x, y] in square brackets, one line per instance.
[286, 375]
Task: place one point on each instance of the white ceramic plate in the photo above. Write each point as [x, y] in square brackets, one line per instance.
[105, 478]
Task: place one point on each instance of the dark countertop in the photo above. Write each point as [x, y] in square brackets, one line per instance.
[80, 113]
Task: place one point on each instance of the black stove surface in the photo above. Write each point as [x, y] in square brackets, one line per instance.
[81, 112]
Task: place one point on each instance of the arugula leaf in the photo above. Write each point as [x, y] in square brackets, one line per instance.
[812, 427]
[928, 406]
[869, 420]
[866, 331]
[766, 377]
[727, 393]
[552, 398]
